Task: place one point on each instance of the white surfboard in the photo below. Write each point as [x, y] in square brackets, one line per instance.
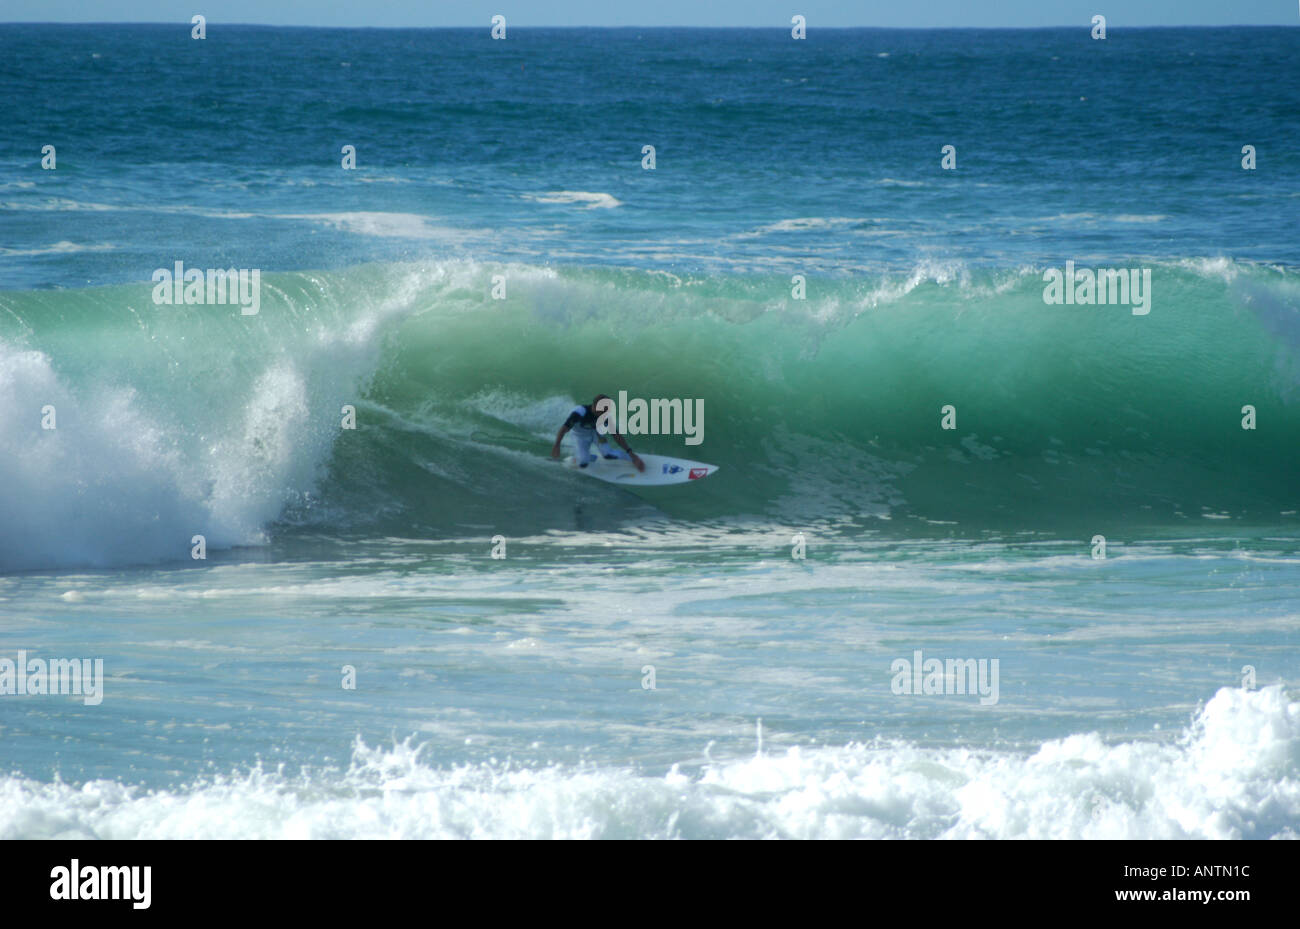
[659, 470]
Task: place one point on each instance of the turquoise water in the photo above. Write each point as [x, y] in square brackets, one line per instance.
[511, 696]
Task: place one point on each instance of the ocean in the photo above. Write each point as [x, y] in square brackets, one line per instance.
[408, 621]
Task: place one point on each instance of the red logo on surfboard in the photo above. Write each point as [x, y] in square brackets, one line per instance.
[697, 473]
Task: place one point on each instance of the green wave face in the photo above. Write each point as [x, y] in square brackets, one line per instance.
[176, 420]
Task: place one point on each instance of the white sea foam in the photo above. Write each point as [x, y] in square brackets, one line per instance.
[381, 225]
[363, 222]
[110, 484]
[593, 201]
[117, 482]
[1224, 269]
[57, 205]
[104, 478]
[891, 290]
[1094, 218]
[807, 223]
[1234, 774]
[58, 248]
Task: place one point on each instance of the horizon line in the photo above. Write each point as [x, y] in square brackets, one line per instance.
[782, 28]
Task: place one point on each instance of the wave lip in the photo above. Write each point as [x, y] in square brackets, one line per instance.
[1234, 774]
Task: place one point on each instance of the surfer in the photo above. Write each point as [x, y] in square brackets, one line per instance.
[582, 423]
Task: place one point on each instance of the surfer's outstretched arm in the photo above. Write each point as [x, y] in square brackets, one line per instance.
[559, 437]
[640, 465]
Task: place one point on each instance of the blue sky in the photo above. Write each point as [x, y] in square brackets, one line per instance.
[775, 13]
